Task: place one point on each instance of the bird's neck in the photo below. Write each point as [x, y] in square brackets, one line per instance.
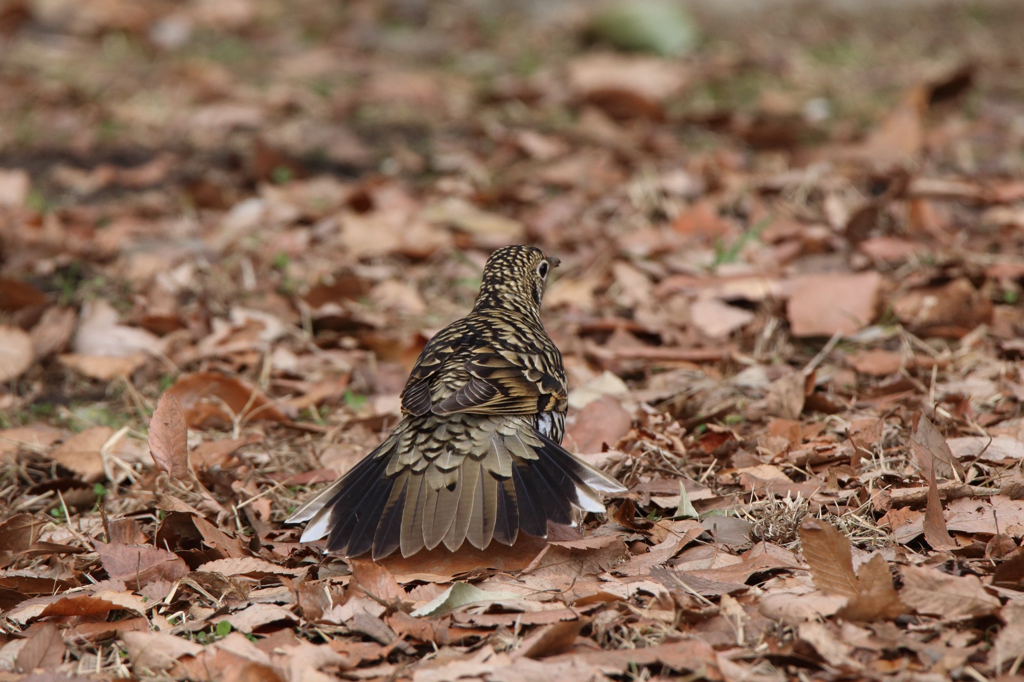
[504, 303]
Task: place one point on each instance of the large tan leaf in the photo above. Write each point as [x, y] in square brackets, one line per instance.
[259, 614]
[151, 652]
[827, 552]
[211, 397]
[877, 598]
[16, 353]
[45, 649]
[933, 592]
[102, 367]
[138, 565]
[81, 452]
[928, 446]
[168, 437]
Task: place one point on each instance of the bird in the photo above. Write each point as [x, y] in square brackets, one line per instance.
[477, 455]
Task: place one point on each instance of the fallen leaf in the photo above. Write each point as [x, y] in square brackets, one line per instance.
[376, 581]
[258, 615]
[626, 86]
[932, 592]
[15, 185]
[100, 334]
[835, 652]
[44, 650]
[898, 139]
[168, 437]
[81, 452]
[935, 531]
[102, 367]
[210, 397]
[138, 565]
[485, 228]
[15, 295]
[16, 353]
[605, 384]
[718, 320]
[948, 311]
[247, 566]
[822, 305]
[997, 449]
[876, 595]
[153, 652]
[1009, 643]
[876, 362]
[550, 639]
[53, 332]
[932, 451]
[602, 421]
[827, 552]
[461, 594]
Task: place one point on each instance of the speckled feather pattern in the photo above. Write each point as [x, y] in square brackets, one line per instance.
[477, 454]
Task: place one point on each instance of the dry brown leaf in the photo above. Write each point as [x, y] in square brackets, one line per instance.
[208, 398]
[875, 362]
[168, 437]
[53, 331]
[932, 446]
[44, 650]
[602, 421]
[256, 615]
[950, 311]
[100, 334]
[794, 609]
[786, 396]
[15, 295]
[718, 320]
[153, 652]
[81, 452]
[138, 565]
[485, 228]
[899, 137]
[442, 566]
[877, 597]
[376, 581]
[821, 305]
[827, 552]
[835, 652]
[16, 354]
[102, 367]
[935, 531]
[929, 591]
[247, 566]
[1009, 644]
[15, 185]
[550, 639]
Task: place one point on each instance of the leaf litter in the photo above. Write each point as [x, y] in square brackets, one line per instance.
[790, 316]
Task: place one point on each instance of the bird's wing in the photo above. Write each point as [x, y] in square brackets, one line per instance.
[459, 372]
[505, 382]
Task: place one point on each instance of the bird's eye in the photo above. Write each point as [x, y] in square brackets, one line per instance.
[542, 269]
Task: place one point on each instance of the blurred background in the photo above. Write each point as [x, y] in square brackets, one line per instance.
[211, 170]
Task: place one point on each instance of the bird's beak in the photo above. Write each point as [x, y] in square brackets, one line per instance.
[553, 262]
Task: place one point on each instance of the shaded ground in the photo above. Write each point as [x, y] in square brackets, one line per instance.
[788, 305]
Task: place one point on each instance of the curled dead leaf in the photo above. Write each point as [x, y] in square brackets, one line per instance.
[208, 398]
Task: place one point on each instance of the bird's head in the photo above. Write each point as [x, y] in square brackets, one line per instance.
[515, 276]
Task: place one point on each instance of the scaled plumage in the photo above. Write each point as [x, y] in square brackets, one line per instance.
[477, 455]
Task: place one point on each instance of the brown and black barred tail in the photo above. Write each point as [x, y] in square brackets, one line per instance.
[410, 495]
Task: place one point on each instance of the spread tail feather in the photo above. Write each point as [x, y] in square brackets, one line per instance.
[366, 509]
